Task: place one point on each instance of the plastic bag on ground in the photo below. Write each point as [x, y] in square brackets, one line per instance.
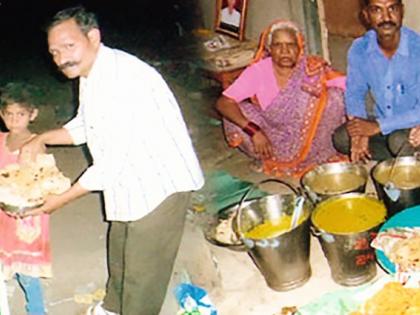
[193, 300]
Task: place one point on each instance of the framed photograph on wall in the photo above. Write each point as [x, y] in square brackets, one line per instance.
[230, 17]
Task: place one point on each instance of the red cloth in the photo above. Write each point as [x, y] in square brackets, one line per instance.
[24, 243]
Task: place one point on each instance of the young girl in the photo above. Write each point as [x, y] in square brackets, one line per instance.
[24, 243]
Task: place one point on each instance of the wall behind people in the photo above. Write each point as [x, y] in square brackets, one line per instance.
[342, 17]
[259, 14]
[411, 18]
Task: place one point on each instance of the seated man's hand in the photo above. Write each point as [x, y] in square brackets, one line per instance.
[360, 149]
[357, 127]
[262, 145]
[414, 137]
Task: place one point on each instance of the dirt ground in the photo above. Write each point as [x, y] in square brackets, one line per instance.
[78, 231]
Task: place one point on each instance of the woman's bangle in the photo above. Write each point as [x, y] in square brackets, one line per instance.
[251, 128]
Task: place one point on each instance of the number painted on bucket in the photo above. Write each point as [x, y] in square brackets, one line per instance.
[361, 244]
[363, 259]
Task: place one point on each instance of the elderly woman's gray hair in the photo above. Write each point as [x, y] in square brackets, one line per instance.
[280, 26]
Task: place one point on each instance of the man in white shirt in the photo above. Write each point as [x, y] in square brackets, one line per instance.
[229, 15]
[143, 160]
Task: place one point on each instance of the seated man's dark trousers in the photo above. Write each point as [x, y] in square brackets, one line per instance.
[381, 147]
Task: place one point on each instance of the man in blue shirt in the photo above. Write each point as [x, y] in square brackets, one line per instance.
[384, 63]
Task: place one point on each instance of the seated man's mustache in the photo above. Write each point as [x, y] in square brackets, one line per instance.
[67, 64]
[387, 24]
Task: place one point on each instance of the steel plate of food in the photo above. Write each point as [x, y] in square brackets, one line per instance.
[24, 186]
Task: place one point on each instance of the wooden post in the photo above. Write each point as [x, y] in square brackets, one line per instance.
[324, 30]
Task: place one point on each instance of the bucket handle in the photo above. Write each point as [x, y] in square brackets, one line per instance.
[238, 216]
[315, 232]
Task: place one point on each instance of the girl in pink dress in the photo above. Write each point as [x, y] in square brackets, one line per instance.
[24, 243]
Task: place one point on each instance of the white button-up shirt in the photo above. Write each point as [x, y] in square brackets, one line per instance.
[136, 135]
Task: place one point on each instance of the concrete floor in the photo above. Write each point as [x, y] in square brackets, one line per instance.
[233, 282]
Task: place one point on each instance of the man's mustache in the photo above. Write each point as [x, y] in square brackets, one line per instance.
[387, 24]
[67, 64]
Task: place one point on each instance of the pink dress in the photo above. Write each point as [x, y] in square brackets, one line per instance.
[24, 243]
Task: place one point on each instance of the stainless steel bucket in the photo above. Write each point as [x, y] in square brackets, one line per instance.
[349, 254]
[282, 257]
[332, 179]
[404, 174]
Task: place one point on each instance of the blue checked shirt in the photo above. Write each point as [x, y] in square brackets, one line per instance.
[393, 83]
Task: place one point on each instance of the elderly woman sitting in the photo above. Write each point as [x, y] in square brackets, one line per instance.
[281, 111]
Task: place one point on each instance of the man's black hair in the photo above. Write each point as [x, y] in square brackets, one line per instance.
[365, 3]
[84, 19]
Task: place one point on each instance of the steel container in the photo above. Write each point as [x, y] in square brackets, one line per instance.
[283, 258]
[397, 183]
[332, 179]
[350, 257]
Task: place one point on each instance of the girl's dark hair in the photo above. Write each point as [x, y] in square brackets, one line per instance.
[84, 19]
[20, 93]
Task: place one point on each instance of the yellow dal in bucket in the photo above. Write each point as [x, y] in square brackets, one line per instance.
[270, 229]
[348, 215]
[332, 183]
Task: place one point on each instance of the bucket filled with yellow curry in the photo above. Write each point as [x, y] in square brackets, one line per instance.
[345, 226]
[276, 232]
